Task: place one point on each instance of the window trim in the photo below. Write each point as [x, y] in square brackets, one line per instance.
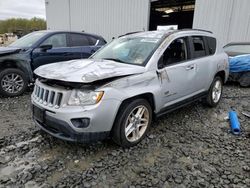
[206, 47]
[180, 62]
[67, 43]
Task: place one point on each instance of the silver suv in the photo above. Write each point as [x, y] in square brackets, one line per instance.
[119, 90]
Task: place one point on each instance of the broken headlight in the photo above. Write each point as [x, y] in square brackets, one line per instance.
[79, 97]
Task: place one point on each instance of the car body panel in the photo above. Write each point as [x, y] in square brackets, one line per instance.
[87, 71]
[8, 50]
[239, 62]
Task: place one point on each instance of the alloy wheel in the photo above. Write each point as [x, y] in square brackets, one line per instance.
[217, 91]
[137, 123]
[12, 83]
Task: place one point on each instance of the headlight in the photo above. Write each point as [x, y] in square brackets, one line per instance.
[79, 97]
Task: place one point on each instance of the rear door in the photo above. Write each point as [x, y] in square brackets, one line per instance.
[202, 48]
[82, 45]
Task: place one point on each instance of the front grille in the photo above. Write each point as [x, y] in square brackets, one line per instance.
[47, 96]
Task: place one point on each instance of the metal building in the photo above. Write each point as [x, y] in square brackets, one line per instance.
[109, 18]
[228, 19]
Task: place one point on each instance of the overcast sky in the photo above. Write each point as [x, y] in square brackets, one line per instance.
[22, 9]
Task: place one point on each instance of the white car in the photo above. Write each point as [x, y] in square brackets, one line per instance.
[119, 90]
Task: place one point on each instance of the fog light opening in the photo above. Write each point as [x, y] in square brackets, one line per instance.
[81, 122]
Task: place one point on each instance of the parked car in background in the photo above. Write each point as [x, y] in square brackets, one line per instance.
[22, 57]
[118, 90]
[239, 58]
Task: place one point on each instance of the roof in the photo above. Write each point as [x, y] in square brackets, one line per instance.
[65, 31]
[237, 43]
[161, 33]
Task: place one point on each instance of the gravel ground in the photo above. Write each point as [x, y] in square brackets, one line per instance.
[191, 147]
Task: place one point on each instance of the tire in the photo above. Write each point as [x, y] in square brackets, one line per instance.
[122, 122]
[245, 79]
[215, 92]
[15, 79]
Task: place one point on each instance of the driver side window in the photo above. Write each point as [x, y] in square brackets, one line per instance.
[175, 53]
[57, 41]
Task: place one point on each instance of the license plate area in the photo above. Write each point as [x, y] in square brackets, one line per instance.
[38, 114]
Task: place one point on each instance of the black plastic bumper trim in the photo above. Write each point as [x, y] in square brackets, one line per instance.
[62, 130]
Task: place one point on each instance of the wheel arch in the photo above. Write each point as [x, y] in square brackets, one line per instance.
[222, 75]
[13, 64]
[149, 97]
[8, 64]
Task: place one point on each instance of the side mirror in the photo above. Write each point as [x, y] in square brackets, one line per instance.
[46, 47]
[161, 63]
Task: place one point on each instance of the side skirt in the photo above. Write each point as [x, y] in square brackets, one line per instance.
[181, 104]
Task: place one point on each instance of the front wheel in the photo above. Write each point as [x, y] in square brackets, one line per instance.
[215, 92]
[13, 82]
[245, 79]
[132, 123]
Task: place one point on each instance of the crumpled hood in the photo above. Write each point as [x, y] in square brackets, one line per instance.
[86, 70]
[8, 50]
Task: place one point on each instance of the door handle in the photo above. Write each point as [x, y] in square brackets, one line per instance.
[190, 67]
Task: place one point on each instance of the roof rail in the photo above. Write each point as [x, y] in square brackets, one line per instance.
[196, 30]
[130, 33]
[203, 30]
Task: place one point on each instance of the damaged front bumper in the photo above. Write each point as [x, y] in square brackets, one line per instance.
[62, 130]
[71, 123]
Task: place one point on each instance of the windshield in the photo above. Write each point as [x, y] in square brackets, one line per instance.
[128, 50]
[238, 49]
[28, 40]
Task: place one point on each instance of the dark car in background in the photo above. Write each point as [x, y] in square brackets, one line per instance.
[239, 60]
[22, 57]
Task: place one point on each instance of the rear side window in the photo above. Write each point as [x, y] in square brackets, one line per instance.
[92, 40]
[101, 42]
[96, 41]
[211, 42]
[78, 40]
[199, 46]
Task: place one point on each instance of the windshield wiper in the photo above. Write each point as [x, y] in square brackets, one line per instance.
[114, 59]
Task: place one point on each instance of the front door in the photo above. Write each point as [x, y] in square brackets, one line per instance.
[176, 73]
[59, 51]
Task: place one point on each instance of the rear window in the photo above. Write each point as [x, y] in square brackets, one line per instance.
[78, 40]
[211, 42]
[92, 40]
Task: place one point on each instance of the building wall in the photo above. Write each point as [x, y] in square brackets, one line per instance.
[109, 18]
[57, 14]
[229, 20]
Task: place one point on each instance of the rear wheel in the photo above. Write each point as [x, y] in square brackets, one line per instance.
[13, 82]
[132, 123]
[215, 92]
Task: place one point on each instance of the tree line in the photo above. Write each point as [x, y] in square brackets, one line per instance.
[22, 26]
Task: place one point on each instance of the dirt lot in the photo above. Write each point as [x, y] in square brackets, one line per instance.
[191, 147]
